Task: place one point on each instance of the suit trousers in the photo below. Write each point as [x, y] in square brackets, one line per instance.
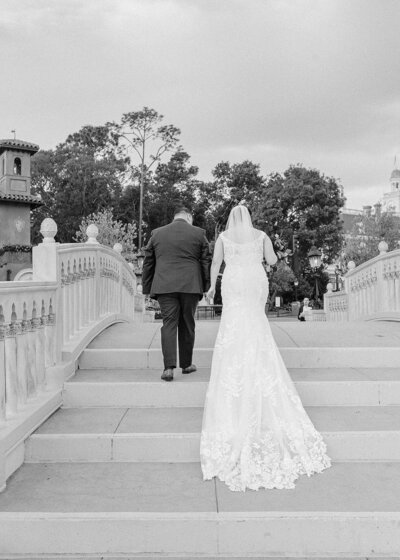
[177, 311]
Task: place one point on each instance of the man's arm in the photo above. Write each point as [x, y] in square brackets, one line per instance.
[205, 260]
[149, 266]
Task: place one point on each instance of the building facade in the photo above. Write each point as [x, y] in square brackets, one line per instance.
[16, 203]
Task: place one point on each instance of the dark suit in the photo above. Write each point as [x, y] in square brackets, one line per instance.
[176, 271]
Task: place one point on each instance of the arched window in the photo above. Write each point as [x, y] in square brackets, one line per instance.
[17, 166]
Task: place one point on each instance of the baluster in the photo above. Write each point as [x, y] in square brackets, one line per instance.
[31, 356]
[85, 302]
[100, 288]
[107, 286]
[115, 290]
[80, 295]
[51, 322]
[110, 285]
[2, 368]
[364, 297]
[396, 290]
[40, 347]
[11, 366]
[95, 288]
[64, 304]
[75, 295]
[69, 309]
[107, 278]
[22, 367]
[92, 290]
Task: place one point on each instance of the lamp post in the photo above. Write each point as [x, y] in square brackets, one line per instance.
[315, 258]
[139, 266]
[296, 283]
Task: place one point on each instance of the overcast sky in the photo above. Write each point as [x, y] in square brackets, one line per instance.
[273, 81]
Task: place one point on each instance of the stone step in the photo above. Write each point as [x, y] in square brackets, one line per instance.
[133, 556]
[294, 357]
[161, 510]
[316, 386]
[130, 556]
[173, 434]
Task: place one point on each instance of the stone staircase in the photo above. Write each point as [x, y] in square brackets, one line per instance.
[115, 474]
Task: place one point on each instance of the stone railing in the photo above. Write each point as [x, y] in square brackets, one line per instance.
[336, 305]
[372, 290]
[77, 290]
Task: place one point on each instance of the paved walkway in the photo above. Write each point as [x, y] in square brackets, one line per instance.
[286, 333]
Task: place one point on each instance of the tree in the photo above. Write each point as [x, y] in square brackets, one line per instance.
[367, 232]
[172, 183]
[111, 231]
[280, 281]
[303, 203]
[82, 175]
[232, 184]
[140, 132]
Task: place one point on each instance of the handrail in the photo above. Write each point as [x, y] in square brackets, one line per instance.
[77, 290]
[371, 292]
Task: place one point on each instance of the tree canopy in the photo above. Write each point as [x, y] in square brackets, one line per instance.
[80, 176]
[141, 136]
[105, 171]
[303, 203]
[232, 184]
[362, 243]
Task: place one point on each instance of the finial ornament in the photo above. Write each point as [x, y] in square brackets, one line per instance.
[383, 247]
[351, 265]
[118, 248]
[92, 231]
[48, 229]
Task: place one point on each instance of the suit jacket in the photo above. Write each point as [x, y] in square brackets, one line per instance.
[177, 259]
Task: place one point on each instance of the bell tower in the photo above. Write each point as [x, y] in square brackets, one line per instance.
[15, 166]
[16, 203]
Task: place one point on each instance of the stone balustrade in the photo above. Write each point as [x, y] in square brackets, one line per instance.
[336, 305]
[372, 290]
[77, 290]
[27, 342]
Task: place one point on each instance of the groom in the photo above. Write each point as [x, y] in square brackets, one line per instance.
[176, 271]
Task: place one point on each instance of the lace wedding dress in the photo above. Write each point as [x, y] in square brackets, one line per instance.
[256, 433]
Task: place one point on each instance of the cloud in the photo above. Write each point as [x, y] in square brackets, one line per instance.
[274, 81]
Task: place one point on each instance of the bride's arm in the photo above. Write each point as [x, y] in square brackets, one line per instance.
[218, 257]
[269, 253]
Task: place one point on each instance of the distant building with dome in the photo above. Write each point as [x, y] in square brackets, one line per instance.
[390, 202]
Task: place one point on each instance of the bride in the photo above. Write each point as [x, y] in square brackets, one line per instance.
[256, 433]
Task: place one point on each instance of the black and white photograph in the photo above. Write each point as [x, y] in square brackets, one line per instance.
[200, 279]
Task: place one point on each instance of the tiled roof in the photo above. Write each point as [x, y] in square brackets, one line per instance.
[32, 200]
[18, 145]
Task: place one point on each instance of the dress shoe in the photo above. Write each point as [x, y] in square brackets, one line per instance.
[189, 369]
[167, 374]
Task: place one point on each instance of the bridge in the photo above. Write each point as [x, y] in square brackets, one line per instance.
[100, 458]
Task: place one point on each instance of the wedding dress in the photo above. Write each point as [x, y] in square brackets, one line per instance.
[256, 433]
